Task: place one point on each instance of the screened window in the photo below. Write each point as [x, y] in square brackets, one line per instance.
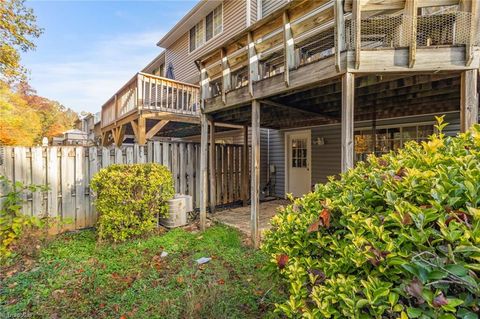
[384, 140]
[206, 29]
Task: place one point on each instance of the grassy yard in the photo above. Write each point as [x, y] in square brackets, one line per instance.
[75, 277]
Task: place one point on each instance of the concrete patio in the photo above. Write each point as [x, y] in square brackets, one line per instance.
[239, 217]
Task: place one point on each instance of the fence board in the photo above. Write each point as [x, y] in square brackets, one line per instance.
[68, 184]
[80, 214]
[38, 178]
[21, 169]
[53, 181]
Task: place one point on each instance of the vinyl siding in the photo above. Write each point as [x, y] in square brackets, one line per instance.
[184, 68]
[268, 6]
[326, 159]
[253, 11]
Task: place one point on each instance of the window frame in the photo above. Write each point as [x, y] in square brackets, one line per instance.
[204, 24]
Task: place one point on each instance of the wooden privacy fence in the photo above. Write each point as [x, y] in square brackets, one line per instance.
[67, 171]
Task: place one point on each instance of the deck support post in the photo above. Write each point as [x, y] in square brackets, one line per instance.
[468, 99]
[118, 135]
[203, 170]
[357, 19]
[255, 177]
[213, 157]
[245, 170]
[411, 8]
[253, 70]
[226, 76]
[339, 33]
[141, 130]
[348, 100]
[289, 48]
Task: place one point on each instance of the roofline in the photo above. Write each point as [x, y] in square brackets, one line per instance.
[154, 60]
[179, 24]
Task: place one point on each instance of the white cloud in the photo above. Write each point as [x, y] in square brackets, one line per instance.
[85, 80]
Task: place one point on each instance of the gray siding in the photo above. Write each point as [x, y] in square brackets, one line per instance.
[326, 158]
[268, 6]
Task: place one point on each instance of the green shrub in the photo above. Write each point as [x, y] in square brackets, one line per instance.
[129, 197]
[396, 237]
[12, 222]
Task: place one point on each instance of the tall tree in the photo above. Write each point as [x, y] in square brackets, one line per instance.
[18, 28]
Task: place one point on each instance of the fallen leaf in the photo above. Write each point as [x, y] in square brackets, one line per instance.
[180, 279]
[221, 282]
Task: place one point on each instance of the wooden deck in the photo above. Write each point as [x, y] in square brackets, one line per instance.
[319, 62]
[239, 217]
[147, 104]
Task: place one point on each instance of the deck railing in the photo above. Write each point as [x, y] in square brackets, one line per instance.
[307, 31]
[146, 92]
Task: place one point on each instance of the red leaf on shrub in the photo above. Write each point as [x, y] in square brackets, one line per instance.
[313, 227]
[382, 162]
[282, 261]
[402, 172]
[407, 219]
[325, 216]
[459, 216]
[415, 289]
[439, 301]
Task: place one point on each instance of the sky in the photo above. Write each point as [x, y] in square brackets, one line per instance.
[89, 49]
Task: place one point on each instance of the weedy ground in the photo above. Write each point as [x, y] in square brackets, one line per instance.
[74, 276]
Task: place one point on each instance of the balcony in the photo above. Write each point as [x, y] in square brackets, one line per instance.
[149, 94]
[311, 43]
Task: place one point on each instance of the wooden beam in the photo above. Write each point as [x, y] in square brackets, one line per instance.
[253, 71]
[156, 128]
[118, 135]
[140, 89]
[204, 83]
[203, 170]
[245, 169]
[357, 21]
[339, 33]
[348, 101]
[213, 175]
[141, 131]
[468, 100]
[411, 8]
[473, 28]
[296, 109]
[255, 176]
[226, 76]
[288, 47]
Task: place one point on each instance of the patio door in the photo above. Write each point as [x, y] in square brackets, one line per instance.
[298, 161]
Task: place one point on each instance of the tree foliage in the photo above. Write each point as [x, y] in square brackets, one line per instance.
[396, 237]
[18, 28]
[25, 117]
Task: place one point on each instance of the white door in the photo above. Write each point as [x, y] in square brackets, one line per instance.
[298, 146]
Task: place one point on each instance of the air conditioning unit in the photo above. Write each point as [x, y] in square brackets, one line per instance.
[178, 209]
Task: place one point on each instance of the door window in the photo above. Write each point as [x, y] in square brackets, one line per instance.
[299, 152]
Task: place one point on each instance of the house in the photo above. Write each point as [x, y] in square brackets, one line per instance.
[312, 85]
[90, 124]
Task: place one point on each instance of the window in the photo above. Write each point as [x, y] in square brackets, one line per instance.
[206, 29]
[299, 152]
[388, 139]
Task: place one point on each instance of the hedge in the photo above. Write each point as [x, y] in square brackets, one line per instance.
[129, 197]
[396, 237]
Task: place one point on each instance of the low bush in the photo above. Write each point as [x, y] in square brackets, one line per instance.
[396, 237]
[13, 224]
[129, 197]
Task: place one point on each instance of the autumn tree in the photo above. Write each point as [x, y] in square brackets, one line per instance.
[18, 28]
[19, 123]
